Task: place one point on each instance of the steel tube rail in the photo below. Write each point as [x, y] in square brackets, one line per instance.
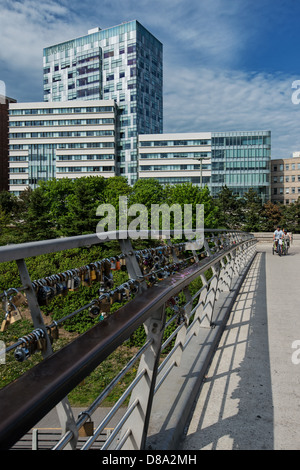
[113, 411]
[120, 424]
[33, 395]
[30, 249]
[89, 412]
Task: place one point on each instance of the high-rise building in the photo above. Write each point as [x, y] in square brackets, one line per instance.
[238, 160]
[123, 63]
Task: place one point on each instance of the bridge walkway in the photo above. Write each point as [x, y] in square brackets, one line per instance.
[250, 399]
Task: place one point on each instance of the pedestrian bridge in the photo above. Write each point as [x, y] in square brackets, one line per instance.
[250, 398]
[225, 377]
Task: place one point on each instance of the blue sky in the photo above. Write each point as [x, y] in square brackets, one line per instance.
[228, 64]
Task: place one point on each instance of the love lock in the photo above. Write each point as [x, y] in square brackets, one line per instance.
[22, 352]
[87, 429]
[94, 310]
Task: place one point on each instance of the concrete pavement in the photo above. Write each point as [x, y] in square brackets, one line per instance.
[250, 399]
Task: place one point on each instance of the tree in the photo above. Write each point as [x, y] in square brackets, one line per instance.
[290, 219]
[271, 216]
[230, 209]
[147, 192]
[80, 206]
[252, 210]
[187, 193]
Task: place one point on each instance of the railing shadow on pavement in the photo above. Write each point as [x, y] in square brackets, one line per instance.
[234, 409]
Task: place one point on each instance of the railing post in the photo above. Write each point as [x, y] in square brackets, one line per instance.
[33, 305]
[181, 336]
[138, 421]
[133, 268]
[34, 444]
[64, 410]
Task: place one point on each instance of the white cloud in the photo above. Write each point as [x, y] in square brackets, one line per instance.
[232, 100]
[204, 43]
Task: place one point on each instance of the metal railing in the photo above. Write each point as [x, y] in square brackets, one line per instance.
[163, 286]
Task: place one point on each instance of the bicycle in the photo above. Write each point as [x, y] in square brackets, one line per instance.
[278, 247]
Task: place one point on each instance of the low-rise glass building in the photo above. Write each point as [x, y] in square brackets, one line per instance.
[238, 160]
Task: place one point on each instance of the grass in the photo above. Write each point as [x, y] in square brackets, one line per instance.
[88, 390]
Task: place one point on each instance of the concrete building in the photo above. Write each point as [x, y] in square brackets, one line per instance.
[285, 177]
[4, 141]
[239, 160]
[176, 158]
[60, 140]
[123, 63]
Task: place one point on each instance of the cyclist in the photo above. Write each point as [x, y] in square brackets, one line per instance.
[278, 234]
[287, 238]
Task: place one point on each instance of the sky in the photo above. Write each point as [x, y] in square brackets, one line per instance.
[229, 65]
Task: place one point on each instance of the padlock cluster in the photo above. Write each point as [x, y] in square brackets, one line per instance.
[158, 263]
[101, 307]
[12, 313]
[178, 310]
[36, 341]
[149, 260]
[155, 263]
[29, 344]
[152, 259]
[62, 283]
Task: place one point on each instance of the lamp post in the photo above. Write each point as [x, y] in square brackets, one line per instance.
[200, 159]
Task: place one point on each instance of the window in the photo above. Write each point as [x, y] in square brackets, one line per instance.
[131, 49]
[108, 54]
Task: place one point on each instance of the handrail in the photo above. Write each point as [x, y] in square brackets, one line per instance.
[26, 250]
[28, 399]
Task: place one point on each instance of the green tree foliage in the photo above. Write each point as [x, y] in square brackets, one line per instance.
[271, 216]
[252, 212]
[290, 219]
[187, 193]
[230, 209]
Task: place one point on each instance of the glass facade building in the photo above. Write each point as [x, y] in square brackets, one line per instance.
[123, 63]
[240, 161]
